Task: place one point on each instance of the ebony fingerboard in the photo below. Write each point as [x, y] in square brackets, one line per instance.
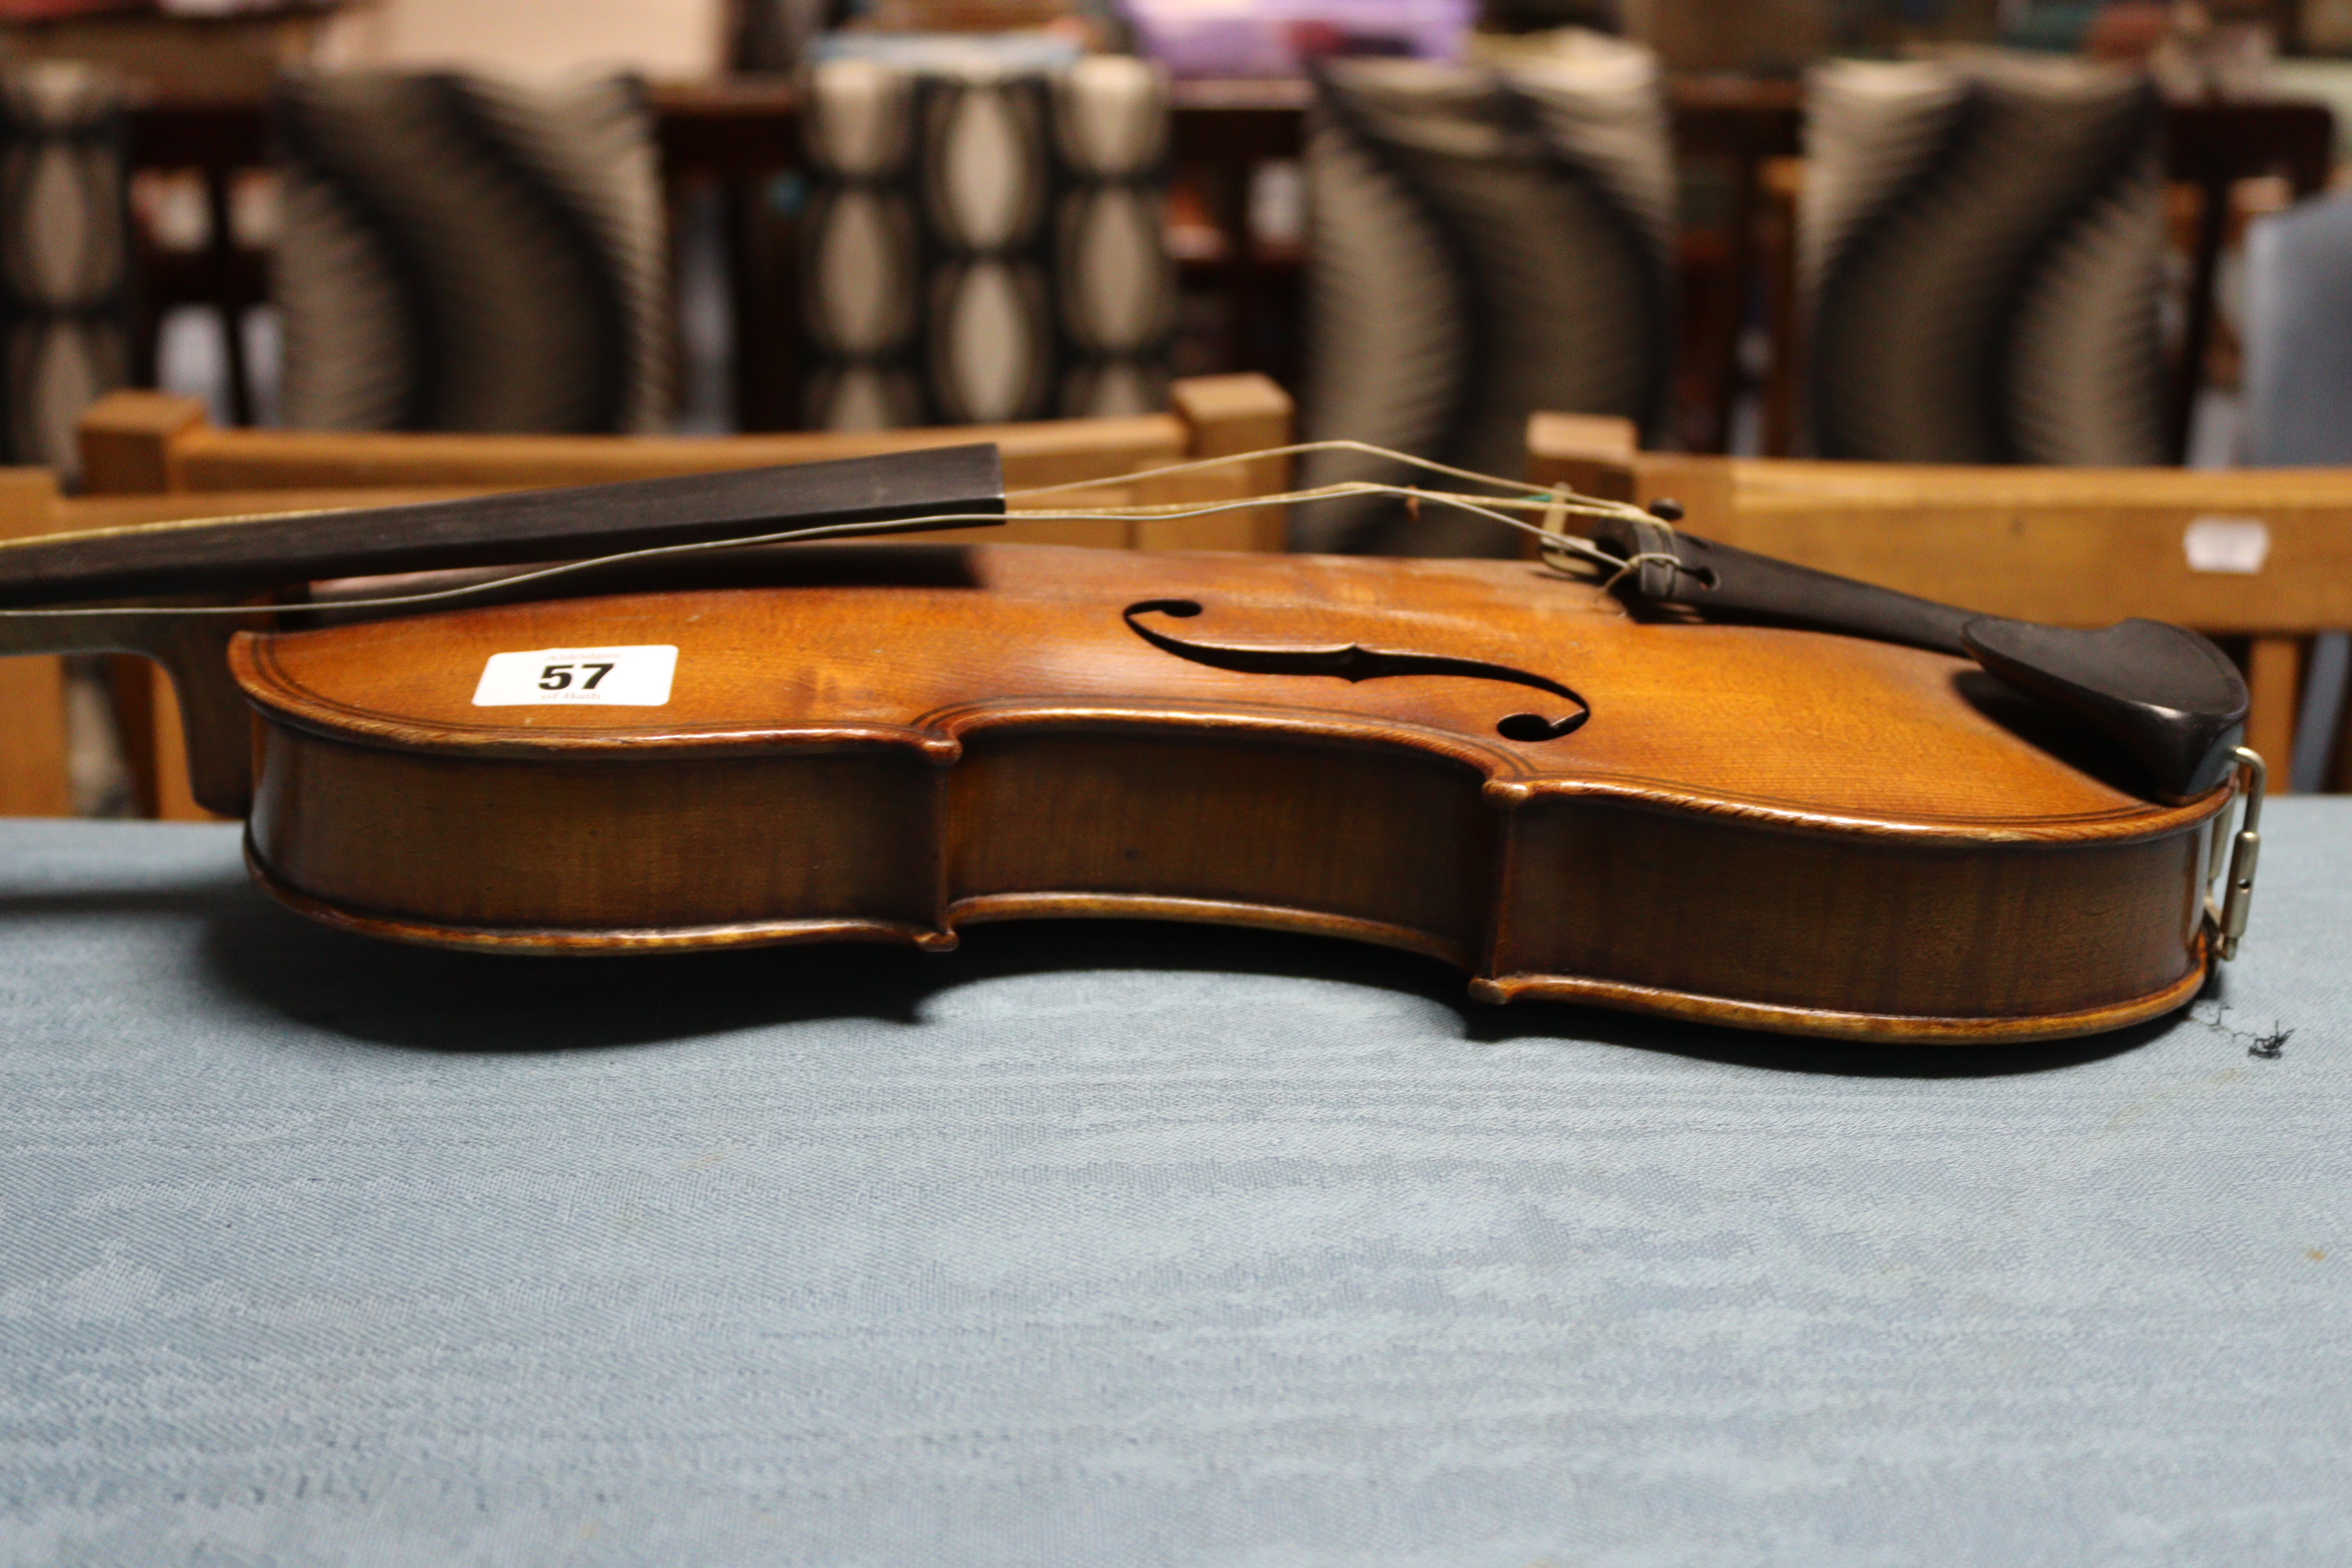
[250, 553]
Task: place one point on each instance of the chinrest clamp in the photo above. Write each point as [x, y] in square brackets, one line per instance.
[2227, 917]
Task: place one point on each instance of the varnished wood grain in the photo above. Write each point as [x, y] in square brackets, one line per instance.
[1886, 928]
[1388, 837]
[1818, 833]
[33, 757]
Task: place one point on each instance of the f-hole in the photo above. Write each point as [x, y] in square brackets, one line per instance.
[1353, 662]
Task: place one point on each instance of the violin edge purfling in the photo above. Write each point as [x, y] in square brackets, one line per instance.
[1294, 801]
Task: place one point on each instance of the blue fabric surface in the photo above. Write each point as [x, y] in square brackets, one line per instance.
[1130, 1244]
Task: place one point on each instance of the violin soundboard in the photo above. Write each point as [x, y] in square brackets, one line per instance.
[1478, 761]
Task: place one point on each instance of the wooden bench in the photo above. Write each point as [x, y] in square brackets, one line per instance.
[152, 457]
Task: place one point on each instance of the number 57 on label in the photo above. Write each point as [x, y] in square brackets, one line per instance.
[636, 676]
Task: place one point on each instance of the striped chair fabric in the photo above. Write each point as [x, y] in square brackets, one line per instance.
[1486, 243]
[64, 257]
[462, 254]
[984, 245]
[1979, 249]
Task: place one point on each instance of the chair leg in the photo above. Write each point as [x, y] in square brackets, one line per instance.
[132, 684]
[2317, 730]
[175, 799]
[2273, 674]
[1228, 414]
[32, 765]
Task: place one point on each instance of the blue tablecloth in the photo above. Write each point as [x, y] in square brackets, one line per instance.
[1131, 1244]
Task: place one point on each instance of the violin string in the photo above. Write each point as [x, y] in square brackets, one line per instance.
[1482, 506]
[1530, 497]
[1297, 448]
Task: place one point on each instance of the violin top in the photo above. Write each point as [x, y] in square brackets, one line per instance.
[920, 645]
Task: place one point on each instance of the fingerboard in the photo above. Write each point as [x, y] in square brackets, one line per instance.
[246, 555]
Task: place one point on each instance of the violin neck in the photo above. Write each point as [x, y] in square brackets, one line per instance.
[232, 561]
[232, 557]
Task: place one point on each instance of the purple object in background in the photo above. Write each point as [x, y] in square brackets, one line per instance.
[1280, 37]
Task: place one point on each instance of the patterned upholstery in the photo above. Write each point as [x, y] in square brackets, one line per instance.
[65, 329]
[64, 275]
[986, 245]
[1485, 244]
[458, 254]
[1980, 242]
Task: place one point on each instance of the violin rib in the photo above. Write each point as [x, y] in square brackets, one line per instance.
[1774, 828]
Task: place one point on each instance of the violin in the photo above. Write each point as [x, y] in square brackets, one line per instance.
[1702, 785]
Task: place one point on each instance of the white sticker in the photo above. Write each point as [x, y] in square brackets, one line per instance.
[619, 676]
[2238, 545]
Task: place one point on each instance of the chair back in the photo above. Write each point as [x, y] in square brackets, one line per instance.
[1486, 243]
[1979, 249]
[983, 245]
[461, 253]
[83, 732]
[64, 255]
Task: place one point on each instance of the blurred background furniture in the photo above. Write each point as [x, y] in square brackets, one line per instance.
[2299, 412]
[2218, 154]
[145, 442]
[1485, 244]
[1978, 247]
[65, 276]
[459, 254]
[65, 340]
[2259, 558]
[984, 245]
[233, 47]
[51, 724]
[161, 450]
[2222, 162]
[738, 144]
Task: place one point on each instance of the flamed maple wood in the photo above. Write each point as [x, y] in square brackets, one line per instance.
[1769, 827]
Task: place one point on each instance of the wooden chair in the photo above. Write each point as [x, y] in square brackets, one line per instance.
[146, 442]
[33, 759]
[161, 449]
[2259, 554]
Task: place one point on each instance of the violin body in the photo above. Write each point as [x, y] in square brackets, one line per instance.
[1476, 760]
